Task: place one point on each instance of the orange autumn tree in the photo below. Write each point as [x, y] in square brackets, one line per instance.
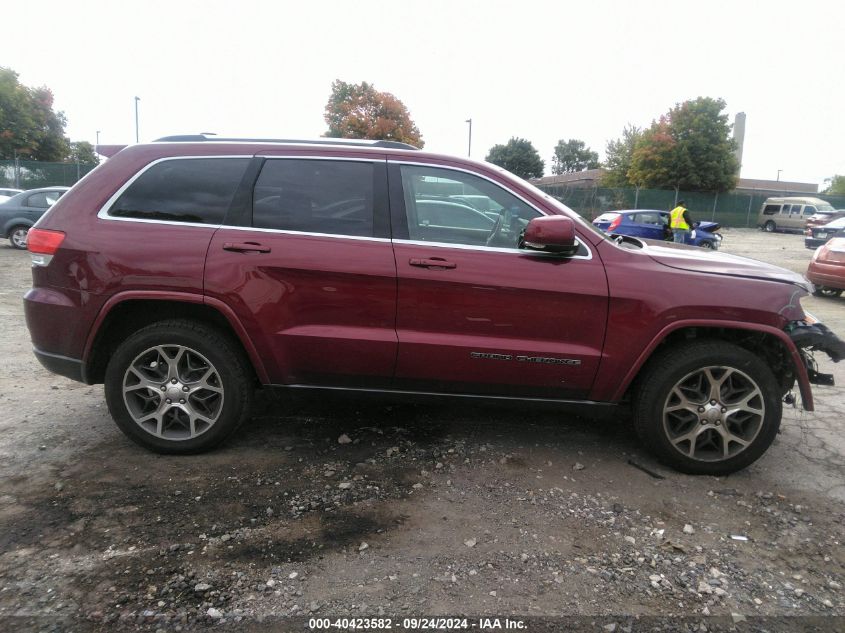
[361, 111]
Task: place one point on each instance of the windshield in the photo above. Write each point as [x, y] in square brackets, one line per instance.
[825, 208]
[836, 224]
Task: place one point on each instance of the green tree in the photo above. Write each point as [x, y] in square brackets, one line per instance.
[361, 111]
[690, 147]
[573, 155]
[519, 157]
[83, 152]
[28, 125]
[618, 154]
[836, 186]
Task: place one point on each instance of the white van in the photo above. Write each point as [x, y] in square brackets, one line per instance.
[789, 214]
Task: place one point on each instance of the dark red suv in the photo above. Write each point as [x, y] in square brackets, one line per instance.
[185, 273]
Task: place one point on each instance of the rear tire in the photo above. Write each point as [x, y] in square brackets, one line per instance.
[707, 245]
[178, 387]
[821, 291]
[707, 407]
[17, 237]
[769, 226]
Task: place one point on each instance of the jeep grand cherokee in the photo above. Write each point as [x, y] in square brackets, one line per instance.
[185, 273]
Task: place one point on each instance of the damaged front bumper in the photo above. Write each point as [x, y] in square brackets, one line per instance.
[811, 336]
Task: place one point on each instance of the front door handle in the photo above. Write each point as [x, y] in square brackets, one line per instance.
[432, 262]
[245, 247]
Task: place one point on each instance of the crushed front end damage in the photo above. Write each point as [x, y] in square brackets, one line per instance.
[812, 336]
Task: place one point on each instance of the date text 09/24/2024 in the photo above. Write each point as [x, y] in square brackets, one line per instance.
[417, 624]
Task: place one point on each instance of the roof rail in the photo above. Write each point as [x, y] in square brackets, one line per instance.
[199, 138]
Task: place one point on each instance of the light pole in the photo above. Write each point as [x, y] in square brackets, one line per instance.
[137, 99]
[779, 170]
[469, 144]
[97, 144]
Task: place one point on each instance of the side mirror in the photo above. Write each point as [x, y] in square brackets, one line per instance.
[551, 234]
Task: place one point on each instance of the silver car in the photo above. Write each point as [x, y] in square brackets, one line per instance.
[21, 211]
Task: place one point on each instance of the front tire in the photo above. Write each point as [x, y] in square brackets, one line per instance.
[17, 237]
[822, 291]
[769, 227]
[707, 407]
[178, 387]
[707, 245]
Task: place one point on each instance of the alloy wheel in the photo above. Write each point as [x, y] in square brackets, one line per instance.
[713, 413]
[18, 237]
[173, 392]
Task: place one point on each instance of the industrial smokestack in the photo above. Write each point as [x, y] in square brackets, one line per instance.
[739, 137]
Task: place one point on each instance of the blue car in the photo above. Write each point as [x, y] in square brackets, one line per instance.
[654, 225]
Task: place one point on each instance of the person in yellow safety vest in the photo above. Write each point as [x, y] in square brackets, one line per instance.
[680, 222]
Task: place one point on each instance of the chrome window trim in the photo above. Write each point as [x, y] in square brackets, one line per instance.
[103, 213]
[493, 249]
[360, 238]
[346, 159]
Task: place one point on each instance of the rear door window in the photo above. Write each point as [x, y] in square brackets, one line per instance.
[192, 190]
[333, 197]
[43, 199]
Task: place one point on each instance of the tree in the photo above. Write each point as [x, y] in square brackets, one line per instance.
[28, 125]
[836, 186]
[573, 155]
[618, 154]
[361, 111]
[83, 152]
[690, 147]
[519, 157]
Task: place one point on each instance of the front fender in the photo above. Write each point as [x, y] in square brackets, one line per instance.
[797, 359]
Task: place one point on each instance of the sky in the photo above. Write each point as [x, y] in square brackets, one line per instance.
[543, 71]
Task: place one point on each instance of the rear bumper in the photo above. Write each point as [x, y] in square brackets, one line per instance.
[826, 275]
[68, 367]
[814, 242]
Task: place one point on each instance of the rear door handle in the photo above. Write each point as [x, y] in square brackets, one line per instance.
[245, 247]
[432, 262]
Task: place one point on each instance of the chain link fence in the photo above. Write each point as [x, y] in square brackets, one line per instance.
[30, 174]
[730, 209]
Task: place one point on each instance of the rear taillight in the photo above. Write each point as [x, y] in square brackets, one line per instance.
[616, 222]
[42, 244]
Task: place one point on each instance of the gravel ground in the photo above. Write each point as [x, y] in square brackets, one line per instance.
[361, 509]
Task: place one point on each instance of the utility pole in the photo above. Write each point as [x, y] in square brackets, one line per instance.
[137, 99]
[469, 144]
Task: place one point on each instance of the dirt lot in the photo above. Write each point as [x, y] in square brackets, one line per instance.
[425, 511]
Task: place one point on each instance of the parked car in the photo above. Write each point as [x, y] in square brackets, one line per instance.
[827, 268]
[654, 225]
[6, 191]
[791, 213]
[183, 275]
[21, 211]
[821, 234]
[820, 219]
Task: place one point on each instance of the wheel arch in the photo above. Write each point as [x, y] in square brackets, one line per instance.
[769, 343]
[126, 313]
[14, 223]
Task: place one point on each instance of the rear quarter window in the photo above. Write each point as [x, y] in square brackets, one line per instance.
[193, 190]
